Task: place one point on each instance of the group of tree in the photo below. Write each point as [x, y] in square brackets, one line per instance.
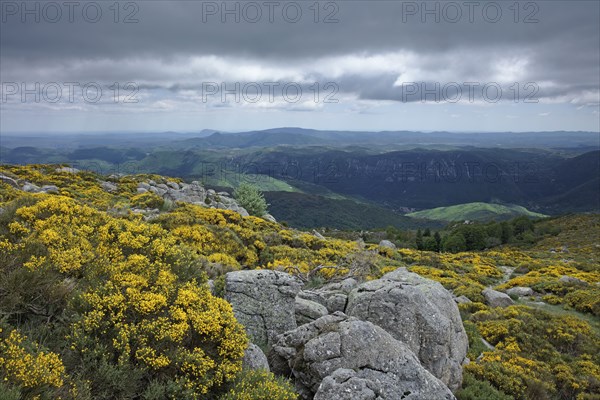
[476, 236]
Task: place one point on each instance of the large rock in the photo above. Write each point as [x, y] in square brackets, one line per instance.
[254, 358]
[341, 357]
[388, 244]
[9, 181]
[263, 301]
[307, 311]
[571, 280]
[493, 298]
[520, 291]
[420, 313]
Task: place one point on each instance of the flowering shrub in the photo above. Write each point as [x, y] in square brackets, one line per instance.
[26, 364]
[98, 303]
[260, 385]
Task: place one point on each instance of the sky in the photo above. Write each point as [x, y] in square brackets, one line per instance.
[343, 65]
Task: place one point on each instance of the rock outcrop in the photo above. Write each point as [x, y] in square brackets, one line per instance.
[494, 298]
[193, 193]
[388, 244]
[520, 291]
[255, 358]
[263, 301]
[420, 313]
[571, 280]
[339, 357]
[333, 296]
[307, 311]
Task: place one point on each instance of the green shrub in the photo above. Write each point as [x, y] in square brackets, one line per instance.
[260, 385]
[473, 389]
[251, 199]
[9, 393]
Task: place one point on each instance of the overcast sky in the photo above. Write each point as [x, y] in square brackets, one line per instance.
[355, 65]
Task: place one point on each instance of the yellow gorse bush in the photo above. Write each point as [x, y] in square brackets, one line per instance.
[30, 369]
[126, 296]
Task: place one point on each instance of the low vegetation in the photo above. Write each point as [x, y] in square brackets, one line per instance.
[100, 302]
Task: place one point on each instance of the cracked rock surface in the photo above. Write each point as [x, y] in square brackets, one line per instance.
[339, 357]
[263, 301]
[420, 313]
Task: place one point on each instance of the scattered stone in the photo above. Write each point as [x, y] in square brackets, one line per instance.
[68, 170]
[141, 190]
[255, 358]
[494, 298]
[109, 187]
[269, 217]
[173, 185]
[318, 235]
[462, 300]
[520, 291]
[9, 181]
[339, 357]
[263, 301]
[49, 189]
[30, 188]
[420, 313]
[571, 280]
[487, 344]
[388, 244]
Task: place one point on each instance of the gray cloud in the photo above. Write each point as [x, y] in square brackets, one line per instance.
[369, 50]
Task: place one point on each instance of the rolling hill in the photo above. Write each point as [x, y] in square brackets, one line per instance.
[475, 212]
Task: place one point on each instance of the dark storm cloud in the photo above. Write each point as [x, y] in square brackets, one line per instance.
[559, 51]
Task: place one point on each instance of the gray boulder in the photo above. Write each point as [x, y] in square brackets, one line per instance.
[31, 188]
[308, 310]
[388, 244]
[254, 358]
[318, 235]
[269, 217]
[341, 357]
[49, 189]
[263, 301]
[462, 300]
[520, 291]
[572, 280]
[420, 313]
[173, 185]
[9, 181]
[494, 298]
[109, 187]
[68, 170]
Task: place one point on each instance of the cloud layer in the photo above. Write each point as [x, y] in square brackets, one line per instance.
[369, 56]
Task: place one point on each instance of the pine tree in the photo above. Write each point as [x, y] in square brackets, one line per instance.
[438, 240]
[419, 240]
[251, 199]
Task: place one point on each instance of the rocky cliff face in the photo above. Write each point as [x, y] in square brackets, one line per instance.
[398, 337]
